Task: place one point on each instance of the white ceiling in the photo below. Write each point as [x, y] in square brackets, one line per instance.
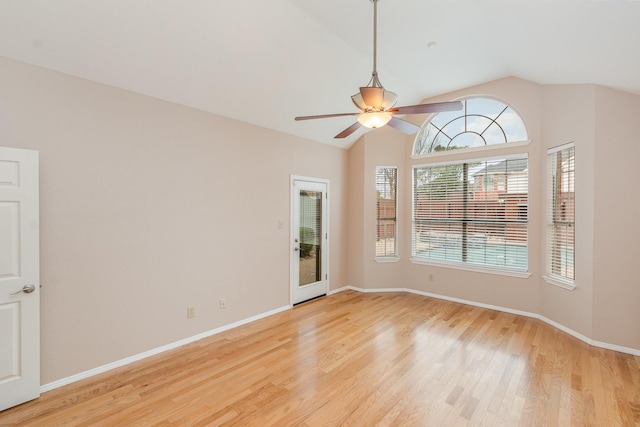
[264, 62]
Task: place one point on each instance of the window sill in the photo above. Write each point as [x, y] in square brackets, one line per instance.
[477, 269]
[471, 150]
[560, 282]
[384, 259]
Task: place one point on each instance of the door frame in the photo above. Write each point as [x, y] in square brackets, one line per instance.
[293, 254]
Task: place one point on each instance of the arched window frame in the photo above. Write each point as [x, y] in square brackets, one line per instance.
[463, 114]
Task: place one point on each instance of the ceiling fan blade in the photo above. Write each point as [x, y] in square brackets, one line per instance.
[436, 107]
[403, 126]
[325, 116]
[348, 131]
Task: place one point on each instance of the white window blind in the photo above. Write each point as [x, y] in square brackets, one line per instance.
[460, 217]
[561, 213]
[386, 207]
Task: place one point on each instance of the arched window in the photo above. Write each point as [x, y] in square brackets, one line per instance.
[480, 123]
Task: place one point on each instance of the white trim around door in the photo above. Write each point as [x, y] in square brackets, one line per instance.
[309, 238]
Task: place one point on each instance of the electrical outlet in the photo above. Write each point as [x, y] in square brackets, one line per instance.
[223, 303]
[191, 312]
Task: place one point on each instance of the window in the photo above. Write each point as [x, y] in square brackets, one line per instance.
[482, 122]
[487, 182]
[561, 216]
[386, 207]
[460, 223]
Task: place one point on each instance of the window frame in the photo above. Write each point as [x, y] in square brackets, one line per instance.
[466, 265]
[473, 149]
[551, 199]
[390, 257]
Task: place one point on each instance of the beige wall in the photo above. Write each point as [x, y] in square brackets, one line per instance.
[384, 147]
[616, 296]
[604, 126]
[569, 116]
[504, 291]
[389, 147]
[355, 230]
[147, 208]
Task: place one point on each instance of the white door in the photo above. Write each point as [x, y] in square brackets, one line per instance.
[19, 277]
[310, 239]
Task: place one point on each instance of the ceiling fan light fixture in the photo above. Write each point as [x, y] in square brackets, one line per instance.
[388, 99]
[373, 98]
[374, 119]
[358, 101]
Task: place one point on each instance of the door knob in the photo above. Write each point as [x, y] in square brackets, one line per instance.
[27, 289]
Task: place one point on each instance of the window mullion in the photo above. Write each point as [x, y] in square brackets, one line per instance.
[465, 210]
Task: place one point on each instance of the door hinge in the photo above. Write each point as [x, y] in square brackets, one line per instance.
[326, 277]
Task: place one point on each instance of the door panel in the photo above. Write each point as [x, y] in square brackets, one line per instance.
[19, 277]
[10, 333]
[310, 239]
[9, 245]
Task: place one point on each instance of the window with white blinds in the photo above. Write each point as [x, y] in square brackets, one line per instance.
[473, 213]
[561, 215]
[386, 208]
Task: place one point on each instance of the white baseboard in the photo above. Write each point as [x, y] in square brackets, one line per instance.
[346, 288]
[153, 352]
[171, 346]
[614, 347]
[605, 345]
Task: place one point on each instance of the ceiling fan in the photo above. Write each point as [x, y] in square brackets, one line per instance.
[377, 104]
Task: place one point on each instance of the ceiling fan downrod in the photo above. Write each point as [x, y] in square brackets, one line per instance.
[373, 98]
[375, 82]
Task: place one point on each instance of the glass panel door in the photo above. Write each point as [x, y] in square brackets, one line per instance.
[309, 239]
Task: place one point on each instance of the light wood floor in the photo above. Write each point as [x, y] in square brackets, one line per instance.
[357, 359]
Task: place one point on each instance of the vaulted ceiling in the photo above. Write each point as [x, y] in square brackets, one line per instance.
[264, 62]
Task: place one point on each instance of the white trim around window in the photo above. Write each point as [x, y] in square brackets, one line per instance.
[386, 181]
[458, 222]
[561, 207]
